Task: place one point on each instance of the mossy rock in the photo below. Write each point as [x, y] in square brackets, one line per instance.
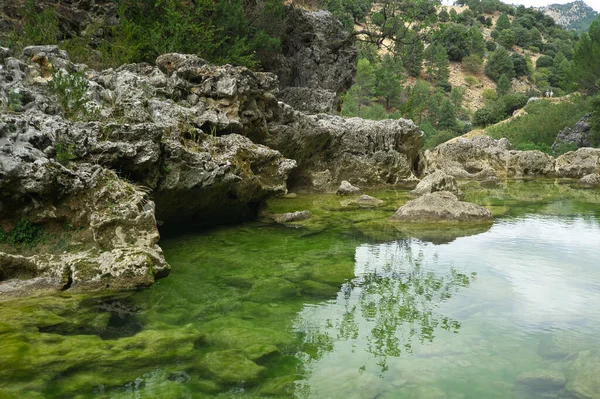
[335, 273]
[260, 352]
[231, 367]
[272, 289]
[583, 381]
[279, 386]
[316, 289]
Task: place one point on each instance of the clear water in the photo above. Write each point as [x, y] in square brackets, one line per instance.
[345, 305]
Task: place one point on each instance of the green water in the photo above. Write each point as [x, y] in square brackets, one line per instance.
[345, 305]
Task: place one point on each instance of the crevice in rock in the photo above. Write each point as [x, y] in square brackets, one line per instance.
[69, 282]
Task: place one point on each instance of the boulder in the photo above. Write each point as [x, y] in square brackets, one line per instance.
[491, 182]
[292, 216]
[576, 164]
[329, 149]
[529, 163]
[593, 180]
[541, 381]
[230, 367]
[479, 157]
[437, 181]
[578, 135]
[347, 189]
[367, 201]
[441, 206]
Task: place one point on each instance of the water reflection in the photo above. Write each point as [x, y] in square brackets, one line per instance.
[391, 303]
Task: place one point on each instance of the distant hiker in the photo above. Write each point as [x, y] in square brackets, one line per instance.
[551, 93]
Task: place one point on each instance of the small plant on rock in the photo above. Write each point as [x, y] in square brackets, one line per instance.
[71, 90]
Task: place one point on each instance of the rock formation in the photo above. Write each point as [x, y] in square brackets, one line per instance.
[578, 135]
[482, 157]
[329, 149]
[318, 61]
[177, 130]
[441, 206]
[437, 181]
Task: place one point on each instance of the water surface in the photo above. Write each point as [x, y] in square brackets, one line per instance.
[345, 305]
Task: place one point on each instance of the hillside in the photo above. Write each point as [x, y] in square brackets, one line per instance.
[576, 15]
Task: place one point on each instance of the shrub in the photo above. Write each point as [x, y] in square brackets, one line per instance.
[490, 45]
[488, 115]
[71, 90]
[473, 63]
[544, 61]
[23, 232]
[64, 152]
[438, 138]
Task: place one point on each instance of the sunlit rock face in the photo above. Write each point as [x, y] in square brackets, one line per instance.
[330, 149]
[481, 157]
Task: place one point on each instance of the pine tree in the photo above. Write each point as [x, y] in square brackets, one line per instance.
[446, 116]
[586, 59]
[503, 87]
[503, 22]
[500, 63]
[389, 80]
[361, 94]
[412, 54]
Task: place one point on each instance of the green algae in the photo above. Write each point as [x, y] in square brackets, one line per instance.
[345, 304]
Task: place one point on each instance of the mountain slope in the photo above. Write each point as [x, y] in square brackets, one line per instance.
[576, 15]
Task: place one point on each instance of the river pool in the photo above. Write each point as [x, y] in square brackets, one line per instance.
[344, 305]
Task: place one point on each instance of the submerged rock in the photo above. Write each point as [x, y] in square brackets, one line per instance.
[231, 367]
[441, 206]
[583, 381]
[367, 201]
[491, 182]
[347, 189]
[292, 216]
[438, 181]
[541, 381]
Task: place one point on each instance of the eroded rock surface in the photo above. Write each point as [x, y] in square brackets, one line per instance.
[437, 181]
[483, 156]
[441, 206]
[330, 149]
[578, 135]
[346, 188]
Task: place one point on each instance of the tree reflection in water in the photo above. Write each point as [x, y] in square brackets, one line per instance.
[392, 301]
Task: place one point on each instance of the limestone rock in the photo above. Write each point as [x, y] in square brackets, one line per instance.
[310, 100]
[292, 216]
[576, 164]
[593, 180]
[330, 149]
[317, 52]
[437, 181]
[578, 135]
[478, 157]
[584, 382]
[538, 381]
[367, 201]
[441, 206]
[346, 188]
[529, 163]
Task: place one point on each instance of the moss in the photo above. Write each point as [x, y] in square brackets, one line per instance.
[231, 367]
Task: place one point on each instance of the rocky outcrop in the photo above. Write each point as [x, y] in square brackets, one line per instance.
[579, 135]
[317, 52]
[329, 149]
[181, 131]
[591, 180]
[576, 164]
[441, 206]
[292, 216]
[482, 157]
[437, 181]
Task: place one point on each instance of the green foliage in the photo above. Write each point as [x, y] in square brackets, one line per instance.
[64, 152]
[487, 116]
[437, 138]
[473, 64]
[443, 16]
[499, 109]
[586, 59]
[503, 86]
[388, 78]
[490, 45]
[506, 38]
[14, 100]
[23, 232]
[503, 22]
[544, 61]
[39, 26]
[456, 40]
[446, 116]
[362, 93]
[412, 54]
[500, 63]
[537, 129]
[71, 91]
